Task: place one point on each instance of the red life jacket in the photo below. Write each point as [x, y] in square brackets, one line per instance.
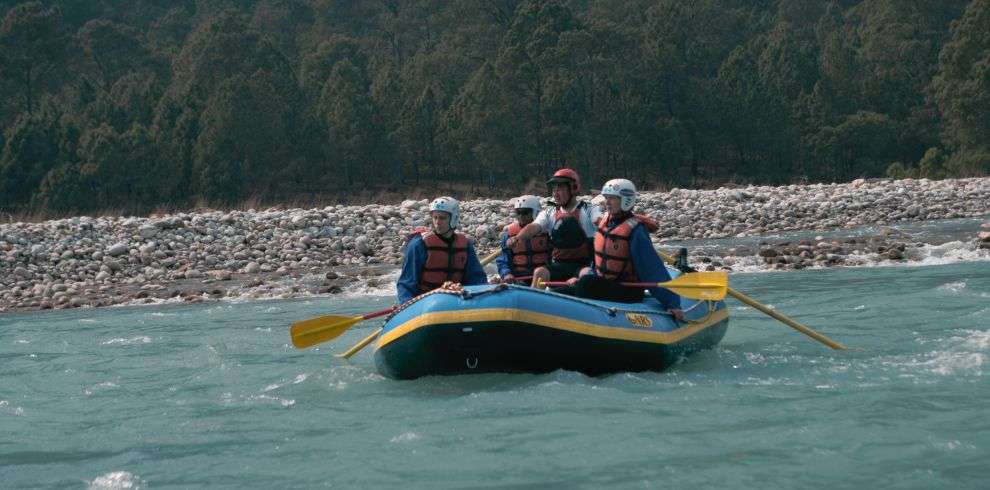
[445, 261]
[527, 255]
[613, 259]
[570, 249]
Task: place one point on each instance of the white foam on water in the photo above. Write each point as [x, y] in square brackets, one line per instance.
[954, 287]
[963, 354]
[6, 408]
[943, 254]
[976, 339]
[106, 385]
[298, 379]
[130, 341]
[405, 437]
[149, 301]
[952, 363]
[384, 286]
[87, 320]
[117, 480]
[953, 445]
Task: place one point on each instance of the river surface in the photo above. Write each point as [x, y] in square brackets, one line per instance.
[214, 396]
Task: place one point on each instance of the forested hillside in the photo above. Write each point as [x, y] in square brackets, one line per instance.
[135, 104]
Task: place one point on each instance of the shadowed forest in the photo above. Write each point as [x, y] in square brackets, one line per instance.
[139, 104]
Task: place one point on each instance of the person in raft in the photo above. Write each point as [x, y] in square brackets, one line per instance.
[439, 254]
[521, 259]
[571, 225]
[624, 253]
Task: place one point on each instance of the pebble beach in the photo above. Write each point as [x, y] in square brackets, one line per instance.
[282, 253]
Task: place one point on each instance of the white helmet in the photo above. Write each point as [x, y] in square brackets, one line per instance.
[624, 190]
[527, 202]
[448, 205]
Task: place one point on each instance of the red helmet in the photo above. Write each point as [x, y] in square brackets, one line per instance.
[566, 175]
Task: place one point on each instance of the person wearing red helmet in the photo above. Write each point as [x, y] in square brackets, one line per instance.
[571, 225]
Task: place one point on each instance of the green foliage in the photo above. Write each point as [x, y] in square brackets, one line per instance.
[138, 104]
[969, 163]
[962, 86]
[32, 46]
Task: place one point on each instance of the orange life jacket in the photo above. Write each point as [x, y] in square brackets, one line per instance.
[570, 252]
[527, 255]
[613, 259]
[445, 261]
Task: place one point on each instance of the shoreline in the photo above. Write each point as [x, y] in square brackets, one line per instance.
[283, 253]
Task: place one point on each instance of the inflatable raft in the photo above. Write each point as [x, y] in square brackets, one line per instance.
[506, 328]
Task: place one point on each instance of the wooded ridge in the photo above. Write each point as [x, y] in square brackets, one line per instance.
[145, 103]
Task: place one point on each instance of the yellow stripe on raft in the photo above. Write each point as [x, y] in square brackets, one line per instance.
[549, 321]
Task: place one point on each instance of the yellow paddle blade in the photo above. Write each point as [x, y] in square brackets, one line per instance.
[310, 332]
[699, 285]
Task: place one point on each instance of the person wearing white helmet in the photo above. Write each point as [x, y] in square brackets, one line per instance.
[439, 254]
[524, 256]
[624, 253]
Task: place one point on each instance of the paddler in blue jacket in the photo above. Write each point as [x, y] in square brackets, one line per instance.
[438, 255]
[624, 253]
[524, 256]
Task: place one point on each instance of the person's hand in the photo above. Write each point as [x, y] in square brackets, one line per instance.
[572, 281]
[511, 242]
[677, 313]
[509, 279]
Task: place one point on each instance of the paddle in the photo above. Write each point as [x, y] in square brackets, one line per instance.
[773, 314]
[310, 332]
[694, 285]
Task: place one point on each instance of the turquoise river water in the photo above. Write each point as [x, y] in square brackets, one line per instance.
[213, 395]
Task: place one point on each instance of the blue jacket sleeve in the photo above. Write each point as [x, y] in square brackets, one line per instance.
[650, 268]
[407, 287]
[505, 258]
[474, 273]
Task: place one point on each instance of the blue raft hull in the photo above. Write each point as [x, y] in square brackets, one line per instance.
[516, 329]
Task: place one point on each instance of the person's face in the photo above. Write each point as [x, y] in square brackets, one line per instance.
[524, 216]
[613, 204]
[441, 222]
[561, 193]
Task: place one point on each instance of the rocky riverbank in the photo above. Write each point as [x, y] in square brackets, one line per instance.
[86, 261]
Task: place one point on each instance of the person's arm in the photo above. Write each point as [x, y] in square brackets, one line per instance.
[474, 273]
[407, 287]
[650, 268]
[504, 259]
[542, 223]
[594, 213]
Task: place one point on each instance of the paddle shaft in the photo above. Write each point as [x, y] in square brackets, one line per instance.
[361, 345]
[379, 313]
[555, 284]
[786, 321]
[771, 313]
